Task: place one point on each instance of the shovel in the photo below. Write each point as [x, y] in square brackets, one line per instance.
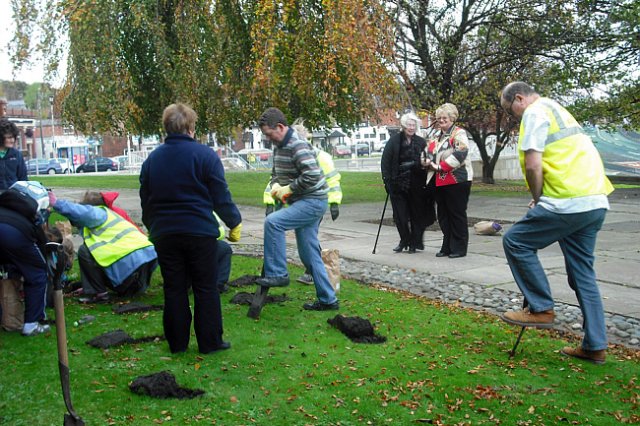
[259, 299]
[70, 419]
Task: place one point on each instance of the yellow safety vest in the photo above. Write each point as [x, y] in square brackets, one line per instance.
[571, 164]
[331, 175]
[114, 239]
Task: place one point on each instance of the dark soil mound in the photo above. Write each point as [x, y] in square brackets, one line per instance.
[244, 298]
[134, 307]
[162, 385]
[118, 338]
[357, 329]
[244, 280]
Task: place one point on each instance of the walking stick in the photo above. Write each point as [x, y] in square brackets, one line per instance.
[380, 226]
[512, 353]
[70, 419]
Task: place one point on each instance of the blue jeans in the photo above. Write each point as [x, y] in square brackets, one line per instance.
[19, 250]
[304, 217]
[576, 234]
[223, 262]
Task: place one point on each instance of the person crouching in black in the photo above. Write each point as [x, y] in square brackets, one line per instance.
[405, 182]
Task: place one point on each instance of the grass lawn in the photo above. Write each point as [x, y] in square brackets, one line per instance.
[247, 187]
[440, 365]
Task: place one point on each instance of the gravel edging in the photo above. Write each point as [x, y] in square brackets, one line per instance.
[620, 329]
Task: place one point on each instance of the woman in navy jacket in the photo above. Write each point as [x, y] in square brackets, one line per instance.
[181, 184]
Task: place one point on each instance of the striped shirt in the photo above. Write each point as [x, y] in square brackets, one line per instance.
[295, 164]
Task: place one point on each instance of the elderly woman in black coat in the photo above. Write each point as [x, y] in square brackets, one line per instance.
[405, 182]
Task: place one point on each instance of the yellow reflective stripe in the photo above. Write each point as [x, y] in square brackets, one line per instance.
[555, 112]
[331, 174]
[113, 240]
[563, 133]
[103, 228]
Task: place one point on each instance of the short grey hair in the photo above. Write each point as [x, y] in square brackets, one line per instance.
[410, 116]
[517, 88]
[449, 109]
[300, 129]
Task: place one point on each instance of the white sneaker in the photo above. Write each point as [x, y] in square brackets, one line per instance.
[305, 279]
[34, 328]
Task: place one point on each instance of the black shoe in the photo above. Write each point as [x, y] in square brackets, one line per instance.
[319, 306]
[420, 246]
[456, 255]
[95, 298]
[442, 254]
[223, 346]
[411, 250]
[223, 288]
[273, 281]
[399, 248]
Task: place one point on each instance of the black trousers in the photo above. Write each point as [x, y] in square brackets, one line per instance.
[94, 280]
[452, 203]
[413, 211]
[189, 260]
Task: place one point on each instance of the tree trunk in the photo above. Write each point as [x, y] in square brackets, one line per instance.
[487, 172]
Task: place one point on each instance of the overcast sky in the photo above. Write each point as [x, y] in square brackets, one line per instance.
[33, 75]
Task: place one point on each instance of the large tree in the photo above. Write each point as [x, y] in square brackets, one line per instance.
[127, 59]
[464, 51]
[614, 44]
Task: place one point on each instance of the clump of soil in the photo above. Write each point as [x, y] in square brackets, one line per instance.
[244, 298]
[116, 338]
[244, 280]
[162, 385]
[357, 329]
[135, 307]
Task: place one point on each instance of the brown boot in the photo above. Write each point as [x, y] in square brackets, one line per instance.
[597, 357]
[526, 318]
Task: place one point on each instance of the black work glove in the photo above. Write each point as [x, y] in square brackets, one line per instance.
[269, 210]
[335, 211]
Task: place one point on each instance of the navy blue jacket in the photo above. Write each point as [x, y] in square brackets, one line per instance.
[12, 168]
[181, 184]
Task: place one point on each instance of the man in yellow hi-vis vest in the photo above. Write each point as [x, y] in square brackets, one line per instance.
[566, 178]
[115, 255]
[331, 175]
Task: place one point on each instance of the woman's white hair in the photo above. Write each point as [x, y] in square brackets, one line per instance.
[410, 116]
[300, 129]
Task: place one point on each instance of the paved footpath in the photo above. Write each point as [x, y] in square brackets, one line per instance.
[485, 267]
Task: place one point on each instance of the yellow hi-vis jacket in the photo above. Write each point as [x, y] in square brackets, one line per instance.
[220, 226]
[571, 164]
[114, 239]
[331, 175]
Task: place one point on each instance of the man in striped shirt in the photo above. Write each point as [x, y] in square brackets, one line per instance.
[298, 181]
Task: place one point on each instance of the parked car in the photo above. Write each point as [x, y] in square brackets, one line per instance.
[362, 149]
[379, 145]
[65, 163]
[122, 161]
[341, 151]
[102, 164]
[43, 166]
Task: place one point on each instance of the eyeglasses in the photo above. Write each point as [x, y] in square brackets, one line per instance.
[509, 110]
